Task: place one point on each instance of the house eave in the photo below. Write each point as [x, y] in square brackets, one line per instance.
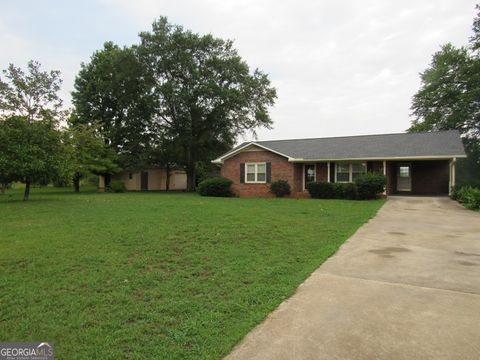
[423, 157]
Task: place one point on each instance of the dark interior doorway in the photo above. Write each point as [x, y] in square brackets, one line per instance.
[144, 181]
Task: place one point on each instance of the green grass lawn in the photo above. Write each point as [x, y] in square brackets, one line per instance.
[157, 275]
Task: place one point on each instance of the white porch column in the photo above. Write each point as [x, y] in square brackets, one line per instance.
[453, 171]
[328, 171]
[385, 174]
[451, 182]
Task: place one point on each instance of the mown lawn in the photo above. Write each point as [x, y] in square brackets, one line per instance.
[155, 275]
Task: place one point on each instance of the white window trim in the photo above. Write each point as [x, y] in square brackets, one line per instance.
[256, 173]
[350, 171]
[314, 174]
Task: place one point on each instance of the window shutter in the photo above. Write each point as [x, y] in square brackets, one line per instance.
[242, 173]
[369, 166]
[269, 172]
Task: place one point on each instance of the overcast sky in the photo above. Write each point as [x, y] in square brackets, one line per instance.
[340, 67]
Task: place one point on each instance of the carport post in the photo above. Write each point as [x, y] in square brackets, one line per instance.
[451, 184]
[385, 174]
[328, 171]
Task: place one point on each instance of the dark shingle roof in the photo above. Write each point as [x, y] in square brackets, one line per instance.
[441, 143]
[426, 144]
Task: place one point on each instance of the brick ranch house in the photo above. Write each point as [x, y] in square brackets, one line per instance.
[414, 163]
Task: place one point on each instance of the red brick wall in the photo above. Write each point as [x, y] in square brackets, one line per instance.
[377, 166]
[322, 172]
[430, 177]
[298, 178]
[391, 177]
[281, 170]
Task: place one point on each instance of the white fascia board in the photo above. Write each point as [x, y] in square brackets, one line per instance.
[434, 157]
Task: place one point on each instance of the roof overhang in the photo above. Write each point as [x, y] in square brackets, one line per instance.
[422, 157]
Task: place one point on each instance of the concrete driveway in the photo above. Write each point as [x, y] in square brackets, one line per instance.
[405, 286]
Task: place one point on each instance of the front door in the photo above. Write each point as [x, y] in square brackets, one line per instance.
[144, 180]
[404, 177]
[308, 174]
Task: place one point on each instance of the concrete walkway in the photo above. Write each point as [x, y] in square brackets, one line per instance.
[405, 286]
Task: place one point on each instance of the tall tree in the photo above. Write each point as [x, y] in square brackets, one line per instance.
[449, 98]
[205, 94]
[30, 110]
[112, 93]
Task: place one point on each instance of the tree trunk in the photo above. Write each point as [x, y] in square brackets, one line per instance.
[26, 193]
[167, 180]
[3, 187]
[76, 184]
[191, 176]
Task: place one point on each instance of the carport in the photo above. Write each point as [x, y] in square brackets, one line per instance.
[420, 177]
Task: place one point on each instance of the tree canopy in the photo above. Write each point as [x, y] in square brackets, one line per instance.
[33, 95]
[86, 154]
[449, 98]
[191, 91]
[204, 93]
[30, 152]
[112, 93]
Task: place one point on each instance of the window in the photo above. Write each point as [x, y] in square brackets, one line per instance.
[309, 174]
[358, 169]
[130, 176]
[255, 173]
[348, 172]
[343, 173]
[404, 171]
[251, 172]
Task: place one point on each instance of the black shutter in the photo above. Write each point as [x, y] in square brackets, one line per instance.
[369, 166]
[242, 173]
[269, 172]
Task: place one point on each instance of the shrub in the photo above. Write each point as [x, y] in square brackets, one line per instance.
[325, 190]
[216, 186]
[345, 191]
[280, 188]
[117, 186]
[321, 190]
[468, 196]
[369, 185]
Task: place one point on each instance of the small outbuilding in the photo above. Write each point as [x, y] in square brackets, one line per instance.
[151, 179]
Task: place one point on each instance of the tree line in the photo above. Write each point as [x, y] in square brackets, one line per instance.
[175, 98]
